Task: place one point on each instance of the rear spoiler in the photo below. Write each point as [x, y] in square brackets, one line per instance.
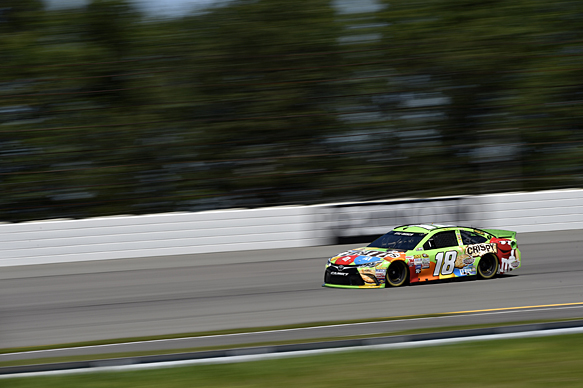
[500, 233]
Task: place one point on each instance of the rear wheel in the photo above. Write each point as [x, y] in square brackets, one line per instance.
[397, 274]
[488, 267]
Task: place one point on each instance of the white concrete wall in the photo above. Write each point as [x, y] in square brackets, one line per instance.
[363, 221]
[530, 212]
[272, 228]
[156, 235]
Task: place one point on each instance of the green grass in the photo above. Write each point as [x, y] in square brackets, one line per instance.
[534, 362]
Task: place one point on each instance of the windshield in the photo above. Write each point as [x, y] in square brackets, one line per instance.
[401, 241]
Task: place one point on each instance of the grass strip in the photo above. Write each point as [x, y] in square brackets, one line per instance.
[247, 345]
[529, 362]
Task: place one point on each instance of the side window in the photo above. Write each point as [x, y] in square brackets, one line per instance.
[429, 244]
[445, 239]
[470, 238]
[441, 240]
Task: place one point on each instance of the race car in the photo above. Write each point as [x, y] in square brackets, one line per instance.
[421, 253]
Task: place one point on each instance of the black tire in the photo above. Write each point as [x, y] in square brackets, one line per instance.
[487, 267]
[397, 274]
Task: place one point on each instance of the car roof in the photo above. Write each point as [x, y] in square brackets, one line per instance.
[426, 228]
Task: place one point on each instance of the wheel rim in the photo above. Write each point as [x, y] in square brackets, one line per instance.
[487, 267]
[396, 274]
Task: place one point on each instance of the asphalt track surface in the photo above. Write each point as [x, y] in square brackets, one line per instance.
[62, 303]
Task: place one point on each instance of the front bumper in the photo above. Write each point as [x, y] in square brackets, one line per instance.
[340, 286]
[349, 277]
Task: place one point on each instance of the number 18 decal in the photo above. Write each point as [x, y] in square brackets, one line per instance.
[445, 265]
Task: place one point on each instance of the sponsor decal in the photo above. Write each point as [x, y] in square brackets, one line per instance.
[505, 251]
[463, 260]
[445, 263]
[508, 260]
[426, 263]
[418, 261]
[339, 273]
[380, 255]
[368, 275]
[419, 249]
[458, 236]
[480, 249]
[467, 271]
[365, 260]
[417, 256]
[509, 263]
[346, 260]
[380, 274]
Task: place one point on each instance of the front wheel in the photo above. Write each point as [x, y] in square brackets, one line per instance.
[397, 274]
[488, 267]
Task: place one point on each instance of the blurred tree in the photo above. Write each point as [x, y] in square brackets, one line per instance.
[21, 25]
[483, 59]
[19, 15]
[264, 75]
[71, 71]
[545, 106]
[233, 105]
[267, 102]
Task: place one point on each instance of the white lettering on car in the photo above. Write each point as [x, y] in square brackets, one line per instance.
[380, 255]
[510, 263]
[445, 263]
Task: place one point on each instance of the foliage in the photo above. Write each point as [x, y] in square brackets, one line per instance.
[506, 72]
[255, 103]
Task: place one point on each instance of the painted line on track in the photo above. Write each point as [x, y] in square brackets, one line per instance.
[503, 310]
[519, 308]
[299, 353]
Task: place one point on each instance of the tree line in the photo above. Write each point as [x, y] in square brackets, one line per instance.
[106, 111]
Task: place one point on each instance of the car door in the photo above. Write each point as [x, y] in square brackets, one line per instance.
[478, 244]
[440, 253]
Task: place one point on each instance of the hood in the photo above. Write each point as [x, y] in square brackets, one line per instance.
[364, 256]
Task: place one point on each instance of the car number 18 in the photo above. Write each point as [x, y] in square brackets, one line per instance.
[445, 265]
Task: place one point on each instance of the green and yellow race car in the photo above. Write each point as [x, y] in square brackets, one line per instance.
[420, 253]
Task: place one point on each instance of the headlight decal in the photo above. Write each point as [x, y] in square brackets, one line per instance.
[366, 260]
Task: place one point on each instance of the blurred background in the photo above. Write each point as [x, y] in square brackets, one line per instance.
[133, 107]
